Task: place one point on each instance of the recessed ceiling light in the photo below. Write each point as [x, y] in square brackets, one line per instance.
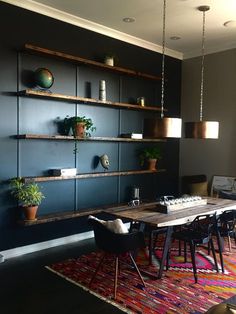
[175, 37]
[128, 19]
[230, 24]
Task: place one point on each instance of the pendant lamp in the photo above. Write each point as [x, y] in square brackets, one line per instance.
[163, 127]
[202, 129]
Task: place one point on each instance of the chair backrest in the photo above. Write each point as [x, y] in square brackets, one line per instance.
[204, 223]
[227, 220]
[116, 243]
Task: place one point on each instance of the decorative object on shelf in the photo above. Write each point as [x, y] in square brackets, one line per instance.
[43, 78]
[150, 155]
[63, 172]
[141, 101]
[28, 195]
[135, 197]
[104, 160]
[202, 129]
[164, 127]
[81, 126]
[102, 90]
[109, 60]
[137, 136]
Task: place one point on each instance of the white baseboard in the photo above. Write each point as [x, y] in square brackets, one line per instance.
[18, 251]
[4, 255]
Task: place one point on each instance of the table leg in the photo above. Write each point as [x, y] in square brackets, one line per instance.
[165, 250]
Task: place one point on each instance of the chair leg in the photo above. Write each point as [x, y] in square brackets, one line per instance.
[179, 248]
[214, 254]
[220, 248]
[208, 248]
[168, 260]
[136, 267]
[96, 270]
[116, 275]
[229, 242]
[185, 252]
[192, 250]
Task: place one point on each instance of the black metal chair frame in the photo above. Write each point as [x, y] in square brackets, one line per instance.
[226, 223]
[199, 232]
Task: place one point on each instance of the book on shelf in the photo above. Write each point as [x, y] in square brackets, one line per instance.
[138, 136]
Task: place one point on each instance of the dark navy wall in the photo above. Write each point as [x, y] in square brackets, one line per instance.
[19, 115]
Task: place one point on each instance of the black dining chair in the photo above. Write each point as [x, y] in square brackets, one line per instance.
[226, 223]
[116, 244]
[199, 232]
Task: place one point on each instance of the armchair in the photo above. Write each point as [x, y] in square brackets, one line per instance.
[116, 244]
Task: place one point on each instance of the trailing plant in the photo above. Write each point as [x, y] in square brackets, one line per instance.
[153, 152]
[70, 123]
[28, 194]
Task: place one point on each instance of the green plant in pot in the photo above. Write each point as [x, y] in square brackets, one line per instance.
[150, 155]
[81, 126]
[28, 195]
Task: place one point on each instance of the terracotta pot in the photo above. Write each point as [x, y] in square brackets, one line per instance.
[152, 164]
[30, 212]
[79, 129]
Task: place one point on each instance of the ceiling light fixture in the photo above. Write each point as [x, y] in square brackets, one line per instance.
[175, 37]
[163, 127]
[230, 24]
[202, 129]
[128, 19]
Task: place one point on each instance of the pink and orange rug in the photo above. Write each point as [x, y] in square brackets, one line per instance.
[176, 292]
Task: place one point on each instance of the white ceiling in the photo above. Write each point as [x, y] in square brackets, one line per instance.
[182, 19]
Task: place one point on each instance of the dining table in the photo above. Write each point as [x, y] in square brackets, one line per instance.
[148, 213]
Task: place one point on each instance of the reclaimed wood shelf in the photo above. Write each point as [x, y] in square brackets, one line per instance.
[58, 216]
[86, 139]
[91, 175]
[82, 100]
[78, 60]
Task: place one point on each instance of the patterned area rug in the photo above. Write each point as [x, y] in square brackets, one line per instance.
[176, 292]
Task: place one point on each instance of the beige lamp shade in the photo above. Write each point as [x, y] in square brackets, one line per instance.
[162, 128]
[202, 130]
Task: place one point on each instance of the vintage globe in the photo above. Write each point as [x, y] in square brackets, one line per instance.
[43, 78]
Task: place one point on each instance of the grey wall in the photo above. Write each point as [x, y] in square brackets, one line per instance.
[19, 115]
[210, 157]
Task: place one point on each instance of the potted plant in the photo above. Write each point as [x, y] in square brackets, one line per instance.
[28, 195]
[81, 126]
[110, 58]
[150, 155]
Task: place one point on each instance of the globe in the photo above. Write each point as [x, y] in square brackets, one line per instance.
[43, 78]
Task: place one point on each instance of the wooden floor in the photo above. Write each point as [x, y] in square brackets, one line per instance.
[26, 287]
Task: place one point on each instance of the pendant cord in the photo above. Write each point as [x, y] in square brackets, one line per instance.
[163, 60]
[202, 66]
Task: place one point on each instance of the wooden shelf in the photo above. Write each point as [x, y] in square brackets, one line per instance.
[87, 139]
[59, 216]
[81, 213]
[82, 100]
[91, 175]
[78, 60]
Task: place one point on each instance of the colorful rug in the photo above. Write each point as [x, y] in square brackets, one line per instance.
[176, 292]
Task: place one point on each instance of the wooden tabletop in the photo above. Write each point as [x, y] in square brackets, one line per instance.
[147, 212]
